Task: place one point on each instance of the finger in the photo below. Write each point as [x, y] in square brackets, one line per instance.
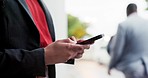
[86, 46]
[68, 40]
[80, 41]
[74, 47]
[64, 40]
[73, 38]
[79, 55]
[79, 48]
[72, 55]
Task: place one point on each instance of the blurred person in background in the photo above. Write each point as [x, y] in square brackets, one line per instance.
[130, 53]
[27, 41]
[110, 44]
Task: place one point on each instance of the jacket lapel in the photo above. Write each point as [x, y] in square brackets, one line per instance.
[48, 16]
[24, 5]
[49, 19]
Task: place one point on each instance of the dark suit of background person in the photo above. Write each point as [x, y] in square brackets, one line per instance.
[130, 52]
[20, 52]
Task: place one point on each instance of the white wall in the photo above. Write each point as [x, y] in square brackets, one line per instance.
[57, 10]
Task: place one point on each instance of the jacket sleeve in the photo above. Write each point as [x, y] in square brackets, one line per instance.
[2, 3]
[116, 53]
[22, 62]
[110, 45]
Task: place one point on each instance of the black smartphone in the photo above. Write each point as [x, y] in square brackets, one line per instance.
[91, 40]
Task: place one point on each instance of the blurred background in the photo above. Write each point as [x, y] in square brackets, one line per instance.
[87, 18]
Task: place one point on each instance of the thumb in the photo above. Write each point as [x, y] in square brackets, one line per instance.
[68, 40]
[73, 39]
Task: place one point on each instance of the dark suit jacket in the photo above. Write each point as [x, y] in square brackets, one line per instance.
[19, 41]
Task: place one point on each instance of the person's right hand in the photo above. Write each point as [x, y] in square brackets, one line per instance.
[61, 51]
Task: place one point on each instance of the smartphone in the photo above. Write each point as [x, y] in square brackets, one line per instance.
[91, 40]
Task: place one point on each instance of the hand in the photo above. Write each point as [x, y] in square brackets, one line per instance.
[79, 55]
[62, 50]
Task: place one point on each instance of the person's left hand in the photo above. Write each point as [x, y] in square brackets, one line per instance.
[78, 55]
